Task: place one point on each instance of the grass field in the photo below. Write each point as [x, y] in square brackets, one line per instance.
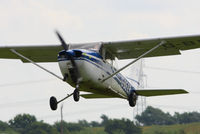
[192, 128]
[94, 130]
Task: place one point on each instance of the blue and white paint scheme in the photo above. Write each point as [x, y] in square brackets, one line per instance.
[93, 69]
[90, 67]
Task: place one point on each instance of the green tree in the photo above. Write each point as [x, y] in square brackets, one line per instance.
[4, 126]
[41, 128]
[123, 126]
[83, 123]
[21, 122]
[155, 116]
[104, 120]
[95, 124]
[68, 127]
[187, 117]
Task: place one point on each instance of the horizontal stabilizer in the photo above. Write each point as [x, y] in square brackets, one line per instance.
[96, 96]
[159, 92]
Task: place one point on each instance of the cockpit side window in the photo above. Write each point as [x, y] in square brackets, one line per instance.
[77, 53]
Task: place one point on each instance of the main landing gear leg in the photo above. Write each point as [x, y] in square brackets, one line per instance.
[54, 103]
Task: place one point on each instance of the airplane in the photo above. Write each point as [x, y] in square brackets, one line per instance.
[89, 67]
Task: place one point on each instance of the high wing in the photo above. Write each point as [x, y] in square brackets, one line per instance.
[159, 92]
[134, 48]
[109, 50]
[41, 53]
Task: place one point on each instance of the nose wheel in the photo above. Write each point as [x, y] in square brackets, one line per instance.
[54, 103]
[76, 95]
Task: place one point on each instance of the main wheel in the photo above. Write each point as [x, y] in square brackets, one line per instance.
[53, 103]
[76, 95]
[132, 99]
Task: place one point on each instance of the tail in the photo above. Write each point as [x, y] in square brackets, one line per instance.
[136, 76]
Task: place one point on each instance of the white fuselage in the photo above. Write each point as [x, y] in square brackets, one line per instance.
[92, 71]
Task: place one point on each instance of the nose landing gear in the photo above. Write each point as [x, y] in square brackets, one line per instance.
[76, 95]
[54, 103]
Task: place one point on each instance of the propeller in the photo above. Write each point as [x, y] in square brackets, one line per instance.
[64, 45]
[75, 71]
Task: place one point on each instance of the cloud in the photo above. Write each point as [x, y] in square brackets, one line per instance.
[93, 20]
[28, 19]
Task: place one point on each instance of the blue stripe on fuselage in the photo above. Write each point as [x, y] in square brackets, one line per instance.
[119, 78]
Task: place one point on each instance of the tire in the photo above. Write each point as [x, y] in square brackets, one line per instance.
[76, 95]
[53, 103]
[132, 99]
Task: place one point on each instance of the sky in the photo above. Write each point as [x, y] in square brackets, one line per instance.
[26, 89]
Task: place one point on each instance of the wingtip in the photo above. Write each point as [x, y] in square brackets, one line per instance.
[185, 91]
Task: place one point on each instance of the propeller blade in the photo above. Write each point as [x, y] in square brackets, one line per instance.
[76, 71]
[64, 45]
[76, 74]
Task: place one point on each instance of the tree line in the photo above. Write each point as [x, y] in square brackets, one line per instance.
[155, 116]
[28, 124]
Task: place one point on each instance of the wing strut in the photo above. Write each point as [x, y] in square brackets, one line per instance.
[20, 55]
[141, 56]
